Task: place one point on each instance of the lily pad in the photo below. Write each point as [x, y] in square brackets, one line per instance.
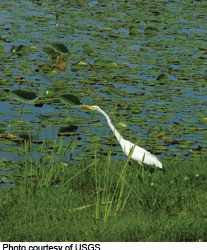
[95, 138]
[162, 77]
[32, 48]
[56, 49]
[133, 30]
[51, 52]
[99, 62]
[2, 50]
[106, 75]
[87, 47]
[150, 31]
[45, 122]
[5, 180]
[2, 127]
[24, 96]
[70, 99]
[110, 64]
[202, 120]
[60, 48]
[83, 63]
[79, 65]
[103, 63]
[21, 49]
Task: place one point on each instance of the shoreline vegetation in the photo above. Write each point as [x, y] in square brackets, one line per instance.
[100, 199]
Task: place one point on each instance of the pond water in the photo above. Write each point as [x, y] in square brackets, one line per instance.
[154, 80]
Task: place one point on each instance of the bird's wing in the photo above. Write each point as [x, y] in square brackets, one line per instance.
[139, 150]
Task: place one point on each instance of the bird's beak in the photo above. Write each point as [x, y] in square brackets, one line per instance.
[86, 106]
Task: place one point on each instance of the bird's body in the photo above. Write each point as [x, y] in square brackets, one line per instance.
[139, 154]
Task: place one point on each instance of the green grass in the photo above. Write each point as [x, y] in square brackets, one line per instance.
[105, 200]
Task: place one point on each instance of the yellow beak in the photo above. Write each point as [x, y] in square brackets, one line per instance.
[86, 106]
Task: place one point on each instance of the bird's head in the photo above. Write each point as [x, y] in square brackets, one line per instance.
[91, 107]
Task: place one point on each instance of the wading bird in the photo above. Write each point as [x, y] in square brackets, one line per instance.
[139, 154]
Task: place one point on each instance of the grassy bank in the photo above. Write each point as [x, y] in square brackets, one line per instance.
[106, 200]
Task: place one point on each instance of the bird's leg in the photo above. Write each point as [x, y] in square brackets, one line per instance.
[143, 167]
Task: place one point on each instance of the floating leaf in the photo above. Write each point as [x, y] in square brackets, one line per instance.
[74, 14]
[51, 52]
[32, 48]
[110, 64]
[133, 30]
[95, 138]
[56, 49]
[2, 127]
[94, 54]
[49, 93]
[150, 31]
[106, 75]
[202, 120]
[24, 96]
[162, 77]
[87, 47]
[21, 49]
[14, 138]
[107, 64]
[67, 130]
[45, 122]
[83, 63]
[70, 119]
[5, 180]
[70, 99]
[107, 29]
[2, 50]
[79, 65]
[60, 48]
[99, 62]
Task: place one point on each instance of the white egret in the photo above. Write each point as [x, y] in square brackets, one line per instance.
[138, 153]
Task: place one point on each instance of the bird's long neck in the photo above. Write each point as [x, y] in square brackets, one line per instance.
[118, 136]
